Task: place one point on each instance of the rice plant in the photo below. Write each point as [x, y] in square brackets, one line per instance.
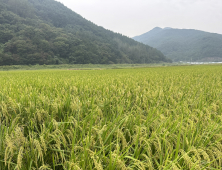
[143, 118]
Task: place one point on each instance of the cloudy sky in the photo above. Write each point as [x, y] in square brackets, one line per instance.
[135, 17]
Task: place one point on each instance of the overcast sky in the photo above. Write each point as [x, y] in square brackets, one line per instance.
[135, 17]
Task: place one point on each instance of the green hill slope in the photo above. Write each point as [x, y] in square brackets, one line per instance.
[47, 32]
[184, 44]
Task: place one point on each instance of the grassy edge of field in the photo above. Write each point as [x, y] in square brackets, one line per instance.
[78, 66]
[87, 66]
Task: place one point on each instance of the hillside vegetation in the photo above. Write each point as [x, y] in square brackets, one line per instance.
[184, 44]
[166, 118]
[47, 32]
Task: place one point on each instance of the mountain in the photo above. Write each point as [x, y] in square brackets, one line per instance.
[47, 32]
[184, 44]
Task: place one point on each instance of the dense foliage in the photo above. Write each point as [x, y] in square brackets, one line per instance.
[185, 44]
[46, 32]
[151, 118]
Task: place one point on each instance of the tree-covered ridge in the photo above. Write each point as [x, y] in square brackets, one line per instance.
[46, 32]
[184, 44]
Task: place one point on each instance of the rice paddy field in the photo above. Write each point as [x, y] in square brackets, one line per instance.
[118, 119]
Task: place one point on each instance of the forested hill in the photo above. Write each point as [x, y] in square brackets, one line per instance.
[47, 32]
[184, 44]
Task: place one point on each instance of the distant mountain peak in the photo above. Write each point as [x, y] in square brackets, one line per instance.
[184, 44]
[156, 28]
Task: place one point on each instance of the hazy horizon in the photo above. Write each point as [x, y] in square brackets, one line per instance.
[132, 18]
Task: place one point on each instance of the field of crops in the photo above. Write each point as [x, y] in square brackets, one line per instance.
[147, 118]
